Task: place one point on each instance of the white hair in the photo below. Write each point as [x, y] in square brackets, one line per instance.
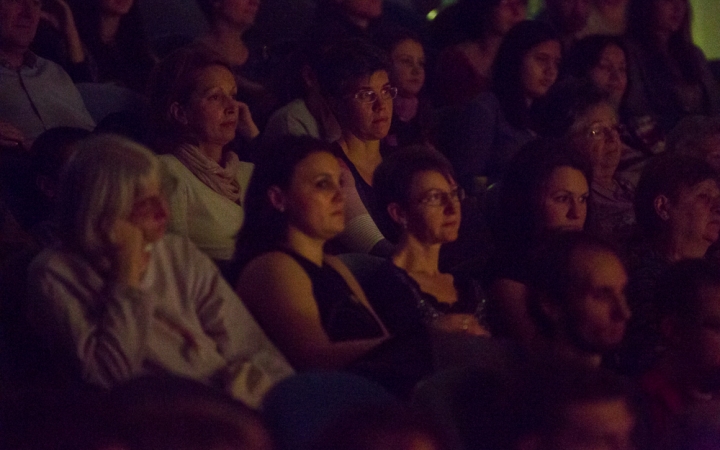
[98, 186]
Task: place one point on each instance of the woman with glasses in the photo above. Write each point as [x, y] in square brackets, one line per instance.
[417, 188]
[584, 115]
[354, 79]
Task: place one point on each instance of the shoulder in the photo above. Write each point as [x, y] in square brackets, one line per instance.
[276, 267]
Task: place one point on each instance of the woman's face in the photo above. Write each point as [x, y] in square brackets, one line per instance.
[367, 120]
[433, 211]
[116, 7]
[408, 67]
[150, 210]
[694, 216]
[507, 14]
[563, 200]
[314, 202]
[237, 12]
[670, 15]
[596, 136]
[212, 111]
[539, 69]
[610, 73]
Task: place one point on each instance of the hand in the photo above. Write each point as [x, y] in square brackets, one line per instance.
[246, 125]
[60, 16]
[131, 259]
[10, 136]
[460, 323]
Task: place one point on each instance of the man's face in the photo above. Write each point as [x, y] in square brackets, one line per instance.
[18, 23]
[597, 312]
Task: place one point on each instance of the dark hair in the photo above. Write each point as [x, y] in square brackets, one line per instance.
[507, 70]
[51, 150]
[394, 176]
[666, 175]
[678, 289]
[264, 226]
[475, 17]
[567, 101]
[388, 39]
[586, 53]
[552, 276]
[689, 135]
[174, 80]
[519, 216]
[641, 26]
[347, 62]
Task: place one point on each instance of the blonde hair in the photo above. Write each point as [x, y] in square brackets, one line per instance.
[98, 186]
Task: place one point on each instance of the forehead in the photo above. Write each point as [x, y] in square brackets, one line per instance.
[708, 186]
[377, 80]
[215, 75]
[430, 179]
[603, 112]
[566, 178]
[598, 268]
[409, 47]
[319, 162]
[612, 53]
[549, 48]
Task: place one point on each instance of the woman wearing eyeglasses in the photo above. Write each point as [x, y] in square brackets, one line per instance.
[585, 116]
[417, 188]
[354, 80]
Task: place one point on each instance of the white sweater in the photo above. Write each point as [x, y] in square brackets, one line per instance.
[209, 219]
[184, 319]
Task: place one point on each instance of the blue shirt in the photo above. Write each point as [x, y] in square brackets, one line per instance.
[39, 96]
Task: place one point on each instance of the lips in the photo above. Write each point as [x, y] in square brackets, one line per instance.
[381, 120]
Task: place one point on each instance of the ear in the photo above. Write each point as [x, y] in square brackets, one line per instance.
[177, 112]
[277, 198]
[397, 214]
[661, 205]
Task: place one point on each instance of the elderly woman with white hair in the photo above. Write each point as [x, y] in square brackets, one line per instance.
[123, 299]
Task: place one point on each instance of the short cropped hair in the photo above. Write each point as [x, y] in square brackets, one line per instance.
[347, 62]
[666, 175]
[678, 289]
[567, 101]
[97, 187]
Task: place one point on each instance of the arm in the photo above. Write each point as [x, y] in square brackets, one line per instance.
[279, 294]
[104, 326]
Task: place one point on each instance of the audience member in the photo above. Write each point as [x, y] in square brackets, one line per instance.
[308, 112]
[308, 302]
[36, 94]
[567, 17]
[338, 20]
[603, 60]
[196, 117]
[120, 298]
[113, 34]
[677, 206]
[669, 75]
[582, 114]
[482, 137]
[697, 136]
[353, 78]
[464, 67]
[577, 297]
[412, 119]
[545, 189]
[417, 188]
[607, 17]
[682, 386]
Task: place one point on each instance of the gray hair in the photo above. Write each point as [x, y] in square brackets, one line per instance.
[98, 186]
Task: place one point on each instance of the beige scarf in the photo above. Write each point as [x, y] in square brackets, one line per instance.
[220, 178]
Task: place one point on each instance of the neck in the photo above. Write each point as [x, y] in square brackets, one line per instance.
[304, 245]
[357, 149]
[109, 26]
[14, 56]
[415, 256]
[212, 151]
[605, 180]
[677, 249]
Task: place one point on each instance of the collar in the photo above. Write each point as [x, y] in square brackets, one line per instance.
[29, 60]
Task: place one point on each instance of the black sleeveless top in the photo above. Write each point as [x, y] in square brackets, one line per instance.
[342, 315]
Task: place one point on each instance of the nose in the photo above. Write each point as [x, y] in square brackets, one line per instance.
[381, 103]
[622, 310]
[574, 211]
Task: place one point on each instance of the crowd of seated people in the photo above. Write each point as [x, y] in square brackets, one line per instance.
[482, 231]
